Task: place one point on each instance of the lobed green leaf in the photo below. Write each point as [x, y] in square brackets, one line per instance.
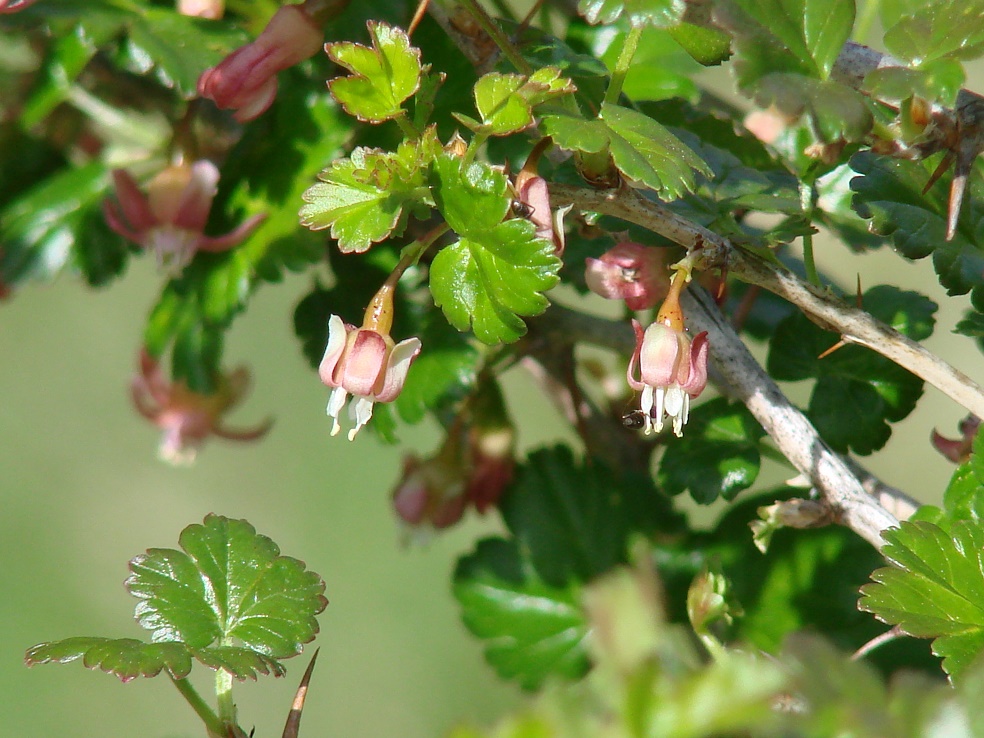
[934, 31]
[228, 584]
[658, 13]
[934, 588]
[531, 630]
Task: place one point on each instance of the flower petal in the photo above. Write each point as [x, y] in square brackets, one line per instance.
[397, 367]
[337, 333]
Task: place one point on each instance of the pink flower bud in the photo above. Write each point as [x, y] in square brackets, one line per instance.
[212, 9]
[246, 80]
[631, 272]
[170, 219]
[672, 370]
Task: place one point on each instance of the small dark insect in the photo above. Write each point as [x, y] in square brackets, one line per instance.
[634, 419]
[521, 210]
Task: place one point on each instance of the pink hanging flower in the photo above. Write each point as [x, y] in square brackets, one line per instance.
[186, 417]
[632, 272]
[246, 80]
[170, 219]
[14, 6]
[365, 362]
[533, 196]
[672, 371]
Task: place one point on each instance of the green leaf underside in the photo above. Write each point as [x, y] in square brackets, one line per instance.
[383, 76]
[718, 455]
[229, 583]
[889, 193]
[879, 390]
[642, 149]
[935, 588]
[498, 270]
[531, 629]
[365, 199]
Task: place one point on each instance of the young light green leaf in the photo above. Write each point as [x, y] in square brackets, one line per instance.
[718, 455]
[835, 111]
[383, 77]
[889, 194]
[531, 629]
[642, 149]
[242, 663]
[658, 13]
[366, 198]
[228, 584]
[474, 198]
[934, 588]
[127, 658]
[506, 101]
[936, 82]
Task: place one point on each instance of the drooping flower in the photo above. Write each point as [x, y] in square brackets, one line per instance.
[170, 219]
[958, 450]
[672, 371]
[246, 80]
[14, 6]
[186, 417]
[431, 492]
[365, 362]
[632, 272]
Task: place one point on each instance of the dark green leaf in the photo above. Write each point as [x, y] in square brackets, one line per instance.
[383, 77]
[57, 222]
[889, 193]
[229, 583]
[934, 589]
[878, 390]
[658, 13]
[718, 455]
[441, 373]
[795, 36]
[127, 658]
[575, 518]
[178, 48]
[531, 629]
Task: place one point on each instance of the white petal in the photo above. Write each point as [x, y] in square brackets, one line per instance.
[360, 411]
[659, 412]
[336, 401]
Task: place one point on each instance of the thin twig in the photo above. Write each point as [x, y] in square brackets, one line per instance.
[842, 485]
[828, 311]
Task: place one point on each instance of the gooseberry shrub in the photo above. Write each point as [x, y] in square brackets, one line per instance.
[465, 183]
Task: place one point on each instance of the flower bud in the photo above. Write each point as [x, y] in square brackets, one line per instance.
[631, 272]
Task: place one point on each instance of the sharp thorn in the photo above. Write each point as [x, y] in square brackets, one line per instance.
[294, 716]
